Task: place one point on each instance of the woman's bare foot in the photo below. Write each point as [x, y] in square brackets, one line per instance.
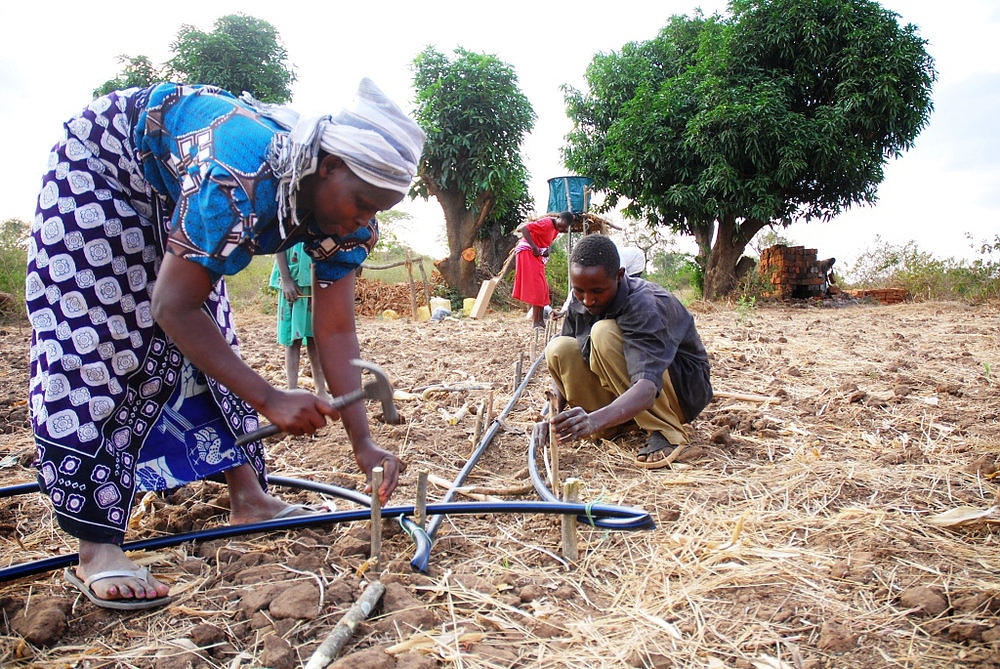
[97, 557]
[248, 503]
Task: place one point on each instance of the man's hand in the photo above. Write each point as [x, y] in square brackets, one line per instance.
[574, 423]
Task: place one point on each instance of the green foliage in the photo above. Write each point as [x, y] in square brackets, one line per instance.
[138, 72]
[557, 272]
[475, 117]
[752, 287]
[250, 288]
[767, 238]
[719, 127]
[746, 307]
[675, 271]
[241, 54]
[926, 277]
[13, 265]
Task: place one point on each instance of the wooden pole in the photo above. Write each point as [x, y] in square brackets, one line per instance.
[413, 287]
[331, 646]
[553, 443]
[420, 511]
[571, 493]
[376, 515]
[423, 276]
[480, 418]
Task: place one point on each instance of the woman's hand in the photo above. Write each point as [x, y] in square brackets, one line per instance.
[369, 456]
[297, 411]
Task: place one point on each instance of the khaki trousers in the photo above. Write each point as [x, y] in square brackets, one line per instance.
[593, 386]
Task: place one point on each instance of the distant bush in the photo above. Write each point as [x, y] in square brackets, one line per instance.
[250, 288]
[13, 265]
[926, 277]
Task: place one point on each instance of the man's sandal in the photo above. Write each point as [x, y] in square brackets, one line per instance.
[657, 444]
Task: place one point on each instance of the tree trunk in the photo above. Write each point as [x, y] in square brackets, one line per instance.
[458, 273]
[721, 268]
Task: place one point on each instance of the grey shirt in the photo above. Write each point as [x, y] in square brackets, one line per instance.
[659, 334]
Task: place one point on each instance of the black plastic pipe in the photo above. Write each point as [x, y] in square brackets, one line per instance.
[460, 508]
[420, 558]
[639, 520]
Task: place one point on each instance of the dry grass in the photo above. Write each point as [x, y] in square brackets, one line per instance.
[791, 539]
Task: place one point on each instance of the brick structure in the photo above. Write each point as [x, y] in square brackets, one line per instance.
[881, 295]
[795, 272]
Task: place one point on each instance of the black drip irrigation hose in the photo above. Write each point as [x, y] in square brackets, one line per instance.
[592, 514]
[597, 515]
[636, 520]
[420, 557]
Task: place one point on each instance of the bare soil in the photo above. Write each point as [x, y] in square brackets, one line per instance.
[797, 530]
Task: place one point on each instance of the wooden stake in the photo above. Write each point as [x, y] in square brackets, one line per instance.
[480, 417]
[423, 275]
[571, 493]
[413, 287]
[420, 511]
[553, 443]
[376, 515]
[331, 646]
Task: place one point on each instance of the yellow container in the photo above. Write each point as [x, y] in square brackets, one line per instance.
[423, 314]
[467, 305]
[440, 303]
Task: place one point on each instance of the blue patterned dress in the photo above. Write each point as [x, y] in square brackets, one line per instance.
[115, 406]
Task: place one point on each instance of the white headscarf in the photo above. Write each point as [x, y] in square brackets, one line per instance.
[379, 143]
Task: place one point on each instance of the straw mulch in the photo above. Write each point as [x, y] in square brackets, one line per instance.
[801, 529]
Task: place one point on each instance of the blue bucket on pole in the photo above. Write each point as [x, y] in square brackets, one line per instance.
[569, 194]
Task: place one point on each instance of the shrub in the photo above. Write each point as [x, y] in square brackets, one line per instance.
[13, 265]
[926, 277]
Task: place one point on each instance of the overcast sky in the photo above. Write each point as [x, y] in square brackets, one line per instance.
[53, 54]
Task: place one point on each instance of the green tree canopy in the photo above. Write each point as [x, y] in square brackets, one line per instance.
[241, 54]
[719, 127]
[476, 118]
[138, 71]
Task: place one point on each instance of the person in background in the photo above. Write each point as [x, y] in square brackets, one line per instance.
[151, 197]
[532, 251]
[628, 351]
[292, 276]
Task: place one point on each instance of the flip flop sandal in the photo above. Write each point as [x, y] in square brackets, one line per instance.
[657, 444]
[294, 510]
[130, 604]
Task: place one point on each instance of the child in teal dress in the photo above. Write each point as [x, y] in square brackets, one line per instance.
[292, 276]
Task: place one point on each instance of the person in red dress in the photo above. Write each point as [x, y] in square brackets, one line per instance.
[532, 251]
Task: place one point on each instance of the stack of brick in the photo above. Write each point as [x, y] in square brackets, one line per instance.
[793, 271]
[881, 295]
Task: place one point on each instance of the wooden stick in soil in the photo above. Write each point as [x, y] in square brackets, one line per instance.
[480, 417]
[376, 515]
[331, 646]
[413, 287]
[553, 443]
[423, 276]
[420, 511]
[571, 493]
